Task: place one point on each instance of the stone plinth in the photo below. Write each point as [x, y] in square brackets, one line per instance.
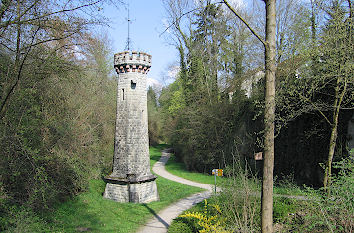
[131, 179]
[143, 192]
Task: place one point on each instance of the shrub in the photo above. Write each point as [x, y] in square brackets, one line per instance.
[208, 220]
[333, 210]
[21, 219]
[179, 225]
[338, 206]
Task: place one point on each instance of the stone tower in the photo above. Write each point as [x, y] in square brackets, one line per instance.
[131, 179]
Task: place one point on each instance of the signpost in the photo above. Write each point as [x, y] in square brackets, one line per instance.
[217, 172]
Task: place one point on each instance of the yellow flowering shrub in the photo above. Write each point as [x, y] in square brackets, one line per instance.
[209, 222]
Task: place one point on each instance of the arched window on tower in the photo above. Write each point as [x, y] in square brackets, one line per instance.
[132, 84]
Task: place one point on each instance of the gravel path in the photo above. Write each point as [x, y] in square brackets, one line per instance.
[161, 221]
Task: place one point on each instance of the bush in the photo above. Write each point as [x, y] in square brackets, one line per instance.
[332, 210]
[180, 225]
[338, 205]
[21, 219]
[57, 130]
[210, 220]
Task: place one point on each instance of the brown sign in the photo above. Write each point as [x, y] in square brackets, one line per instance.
[258, 156]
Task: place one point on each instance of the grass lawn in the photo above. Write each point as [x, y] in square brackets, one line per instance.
[90, 212]
[179, 169]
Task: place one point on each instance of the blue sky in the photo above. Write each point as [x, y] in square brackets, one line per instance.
[147, 24]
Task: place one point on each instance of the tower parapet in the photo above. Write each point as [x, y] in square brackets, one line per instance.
[134, 61]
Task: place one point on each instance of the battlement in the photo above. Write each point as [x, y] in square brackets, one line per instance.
[134, 57]
[132, 62]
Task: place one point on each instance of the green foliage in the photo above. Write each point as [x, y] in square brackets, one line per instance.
[203, 148]
[177, 103]
[192, 222]
[320, 211]
[282, 207]
[57, 130]
[314, 91]
[239, 199]
[199, 120]
[154, 121]
[180, 225]
[89, 210]
[24, 220]
[338, 206]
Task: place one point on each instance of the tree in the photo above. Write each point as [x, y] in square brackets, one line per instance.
[201, 41]
[322, 81]
[269, 116]
[56, 122]
[334, 74]
[25, 25]
[154, 120]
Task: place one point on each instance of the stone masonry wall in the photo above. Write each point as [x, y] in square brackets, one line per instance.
[131, 155]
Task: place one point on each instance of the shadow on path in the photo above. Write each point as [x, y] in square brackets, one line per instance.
[156, 216]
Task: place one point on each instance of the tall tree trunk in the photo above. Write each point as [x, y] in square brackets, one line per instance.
[332, 146]
[333, 139]
[269, 112]
[269, 116]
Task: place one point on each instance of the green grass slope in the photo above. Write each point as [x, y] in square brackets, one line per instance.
[179, 169]
[90, 212]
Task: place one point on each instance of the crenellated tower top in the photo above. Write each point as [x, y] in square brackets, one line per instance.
[134, 61]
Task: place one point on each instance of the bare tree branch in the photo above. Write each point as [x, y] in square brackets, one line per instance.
[3, 104]
[244, 21]
[15, 21]
[175, 22]
[49, 40]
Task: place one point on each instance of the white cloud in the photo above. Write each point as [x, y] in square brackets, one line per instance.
[151, 82]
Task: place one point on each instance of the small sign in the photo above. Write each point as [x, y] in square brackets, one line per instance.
[217, 172]
[258, 156]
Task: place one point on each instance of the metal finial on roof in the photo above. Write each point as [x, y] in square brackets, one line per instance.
[127, 46]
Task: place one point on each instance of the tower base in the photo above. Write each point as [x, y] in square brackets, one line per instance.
[142, 192]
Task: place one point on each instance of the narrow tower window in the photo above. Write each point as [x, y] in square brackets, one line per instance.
[123, 93]
[132, 84]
